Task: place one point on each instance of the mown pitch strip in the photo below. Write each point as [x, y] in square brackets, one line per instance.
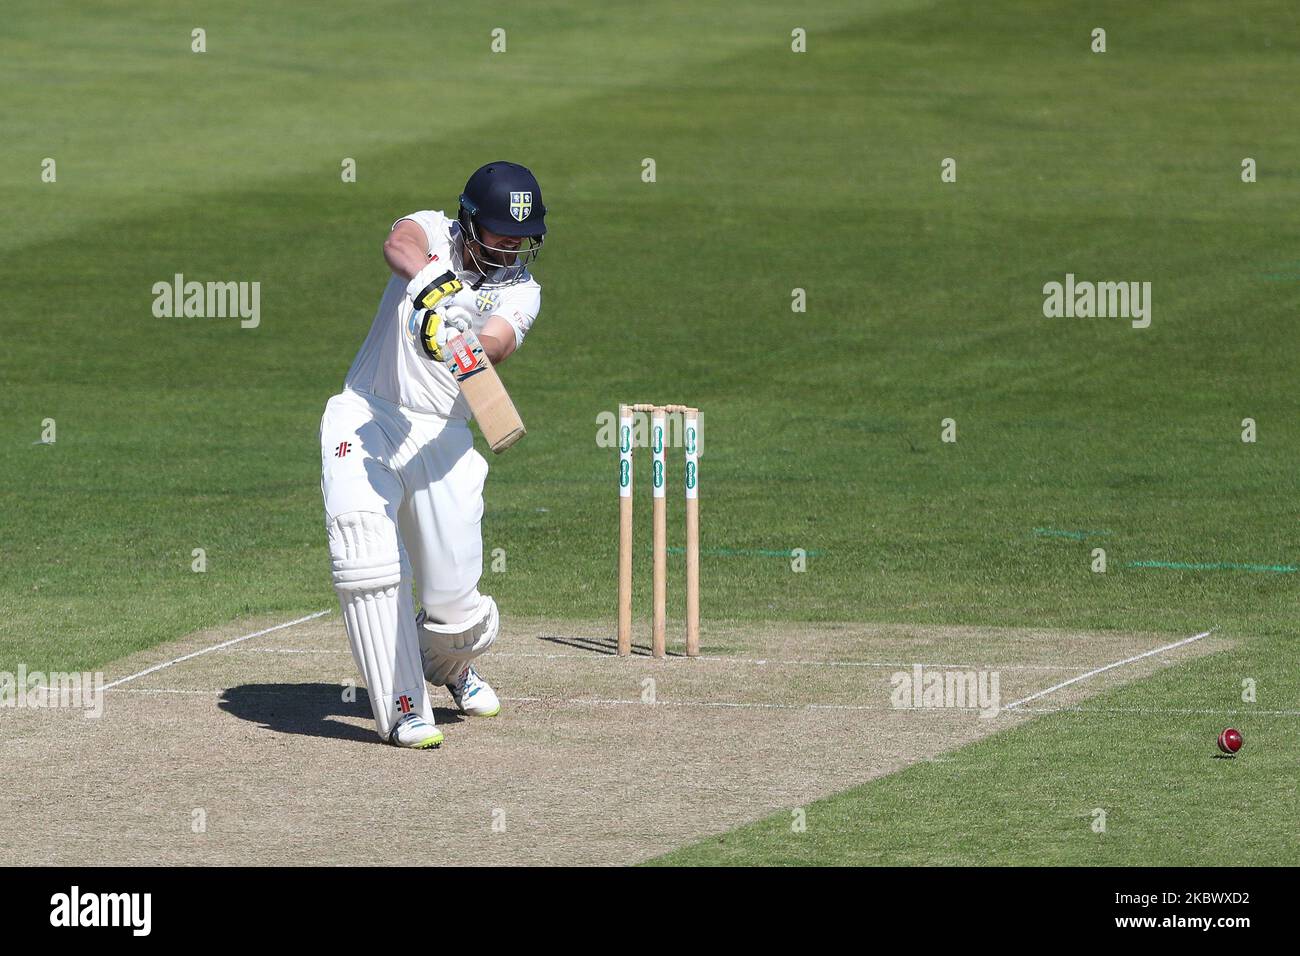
[261, 751]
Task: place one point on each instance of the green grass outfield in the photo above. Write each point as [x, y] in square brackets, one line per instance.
[775, 171]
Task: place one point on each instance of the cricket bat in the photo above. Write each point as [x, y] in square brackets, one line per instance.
[486, 396]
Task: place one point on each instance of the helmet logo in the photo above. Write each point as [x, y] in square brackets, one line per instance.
[521, 204]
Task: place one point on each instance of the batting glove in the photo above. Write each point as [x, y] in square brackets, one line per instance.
[437, 328]
[431, 285]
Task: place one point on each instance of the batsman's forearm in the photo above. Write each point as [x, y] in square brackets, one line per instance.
[497, 351]
[405, 258]
[498, 339]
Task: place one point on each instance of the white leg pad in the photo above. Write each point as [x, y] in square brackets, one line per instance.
[445, 649]
[374, 589]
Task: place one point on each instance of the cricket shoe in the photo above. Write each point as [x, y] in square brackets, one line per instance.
[474, 695]
[415, 732]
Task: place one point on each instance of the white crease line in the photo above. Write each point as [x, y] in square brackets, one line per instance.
[289, 650]
[722, 660]
[726, 704]
[593, 702]
[215, 647]
[1101, 670]
[610, 702]
[894, 664]
[168, 690]
[1191, 711]
[763, 661]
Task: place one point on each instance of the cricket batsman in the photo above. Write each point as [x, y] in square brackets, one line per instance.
[402, 483]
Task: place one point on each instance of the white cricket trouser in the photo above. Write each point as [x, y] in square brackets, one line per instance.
[403, 497]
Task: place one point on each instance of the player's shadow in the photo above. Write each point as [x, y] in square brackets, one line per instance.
[600, 645]
[311, 710]
[596, 645]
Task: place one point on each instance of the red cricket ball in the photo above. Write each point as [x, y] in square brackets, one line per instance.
[1230, 741]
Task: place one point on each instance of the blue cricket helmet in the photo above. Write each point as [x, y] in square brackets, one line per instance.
[505, 198]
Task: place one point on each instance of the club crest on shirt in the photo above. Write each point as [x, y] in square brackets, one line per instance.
[486, 300]
[521, 204]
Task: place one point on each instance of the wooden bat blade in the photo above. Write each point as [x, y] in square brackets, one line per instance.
[484, 392]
